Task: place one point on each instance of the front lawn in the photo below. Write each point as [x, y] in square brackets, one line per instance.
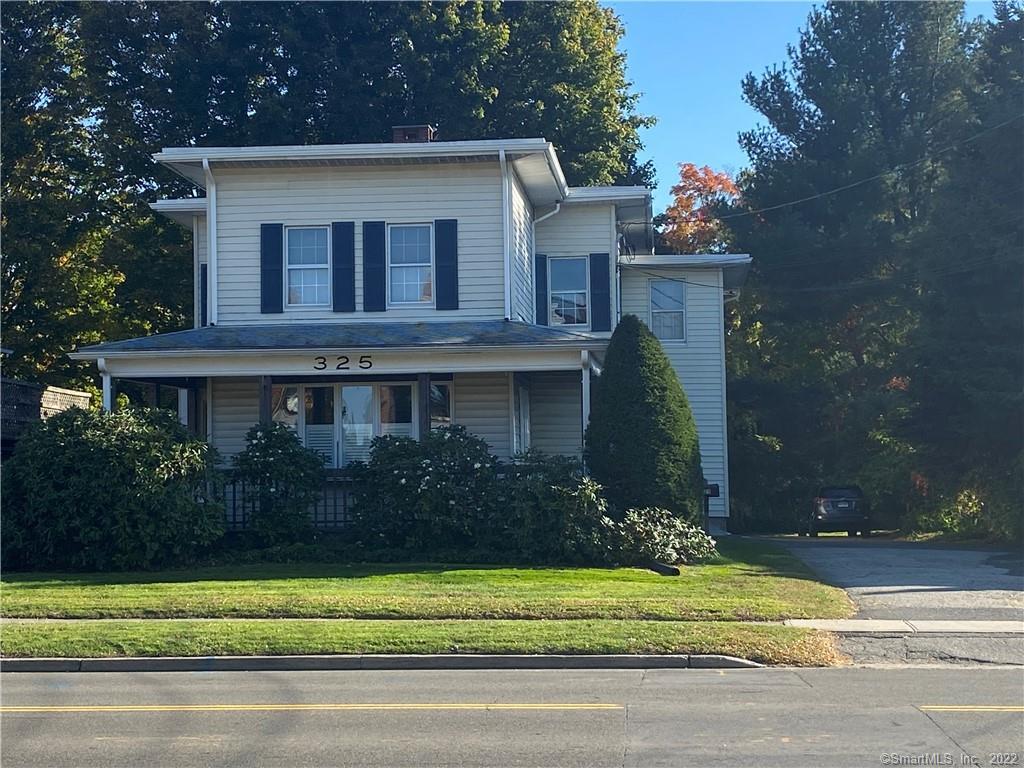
[768, 644]
[751, 581]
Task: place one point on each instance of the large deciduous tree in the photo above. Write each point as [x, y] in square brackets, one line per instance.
[690, 225]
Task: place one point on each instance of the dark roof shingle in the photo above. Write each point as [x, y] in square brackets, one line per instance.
[487, 333]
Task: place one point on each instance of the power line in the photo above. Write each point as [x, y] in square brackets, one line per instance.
[894, 169]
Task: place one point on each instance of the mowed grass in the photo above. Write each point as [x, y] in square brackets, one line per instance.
[751, 581]
[767, 644]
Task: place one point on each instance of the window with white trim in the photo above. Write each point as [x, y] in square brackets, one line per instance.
[440, 404]
[567, 278]
[668, 309]
[410, 264]
[307, 263]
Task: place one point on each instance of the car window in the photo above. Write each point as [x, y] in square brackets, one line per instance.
[838, 492]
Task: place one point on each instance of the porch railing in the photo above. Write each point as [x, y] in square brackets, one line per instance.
[332, 510]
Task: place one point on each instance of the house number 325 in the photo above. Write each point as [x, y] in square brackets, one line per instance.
[342, 363]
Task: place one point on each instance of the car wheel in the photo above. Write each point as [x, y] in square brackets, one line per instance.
[811, 532]
[851, 533]
[865, 534]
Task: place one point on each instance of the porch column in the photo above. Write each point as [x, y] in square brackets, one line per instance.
[108, 392]
[585, 383]
[423, 395]
[266, 394]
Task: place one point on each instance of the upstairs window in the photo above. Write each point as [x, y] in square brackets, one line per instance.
[410, 264]
[568, 281]
[668, 309]
[308, 267]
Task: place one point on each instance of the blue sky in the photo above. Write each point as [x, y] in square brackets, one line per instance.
[688, 58]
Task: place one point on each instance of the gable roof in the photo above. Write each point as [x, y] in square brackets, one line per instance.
[534, 159]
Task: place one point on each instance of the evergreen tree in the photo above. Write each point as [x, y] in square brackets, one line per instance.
[641, 443]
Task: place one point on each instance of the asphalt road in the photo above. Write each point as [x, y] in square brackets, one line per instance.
[765, 717]
[894, 580]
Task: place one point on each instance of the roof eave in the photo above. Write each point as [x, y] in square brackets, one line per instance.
[96, 353]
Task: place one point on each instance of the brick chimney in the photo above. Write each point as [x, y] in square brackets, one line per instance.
[402, 134]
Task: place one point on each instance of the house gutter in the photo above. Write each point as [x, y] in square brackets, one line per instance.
[505, 234]
[211, 240]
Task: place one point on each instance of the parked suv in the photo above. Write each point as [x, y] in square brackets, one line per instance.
[837, 508]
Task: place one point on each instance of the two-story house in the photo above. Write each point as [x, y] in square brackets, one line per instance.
[358, 290]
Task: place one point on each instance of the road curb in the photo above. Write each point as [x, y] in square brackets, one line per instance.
[374, 662]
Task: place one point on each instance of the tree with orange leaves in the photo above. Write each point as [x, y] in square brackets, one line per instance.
[689, 225]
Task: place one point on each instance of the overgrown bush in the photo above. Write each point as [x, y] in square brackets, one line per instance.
[284, 478]
[109, 491]
[529, 516]
[642, 441]
[423, 495]
[656, 534]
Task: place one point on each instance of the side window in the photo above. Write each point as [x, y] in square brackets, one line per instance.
[668, 309]
[440, 405]
[410, 264]
[307, 263]
[568, 289]
[285, 406]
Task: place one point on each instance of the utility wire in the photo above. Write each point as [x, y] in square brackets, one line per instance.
[845, 187]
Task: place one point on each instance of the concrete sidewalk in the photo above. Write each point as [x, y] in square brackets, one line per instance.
[908, 626]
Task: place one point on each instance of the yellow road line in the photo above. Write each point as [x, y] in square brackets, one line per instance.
[970, 708]
[297, 707]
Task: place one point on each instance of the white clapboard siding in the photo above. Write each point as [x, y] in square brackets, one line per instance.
[579, 230]
[200, 256]
[482, 407]
[699, 360]
[521, 253]
[556, 412]
[236, 407]
[470, 193]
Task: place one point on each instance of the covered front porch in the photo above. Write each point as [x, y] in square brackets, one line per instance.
[517, 386]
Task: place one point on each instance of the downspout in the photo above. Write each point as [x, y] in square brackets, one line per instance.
[211, 241]
[506, 238]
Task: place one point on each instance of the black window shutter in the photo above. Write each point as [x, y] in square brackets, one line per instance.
[204, 298]
[540, 272]
[271, 268]
[600, 293]
[446, 264]
[374, 268]
[343, 263]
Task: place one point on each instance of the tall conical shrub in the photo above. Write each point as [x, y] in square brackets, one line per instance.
[641, 443]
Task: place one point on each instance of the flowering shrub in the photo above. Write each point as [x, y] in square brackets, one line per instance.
[424, 495]
[109, 491]
[286, 479]
[656, 534]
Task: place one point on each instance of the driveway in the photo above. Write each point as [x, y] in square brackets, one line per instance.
[899, 580]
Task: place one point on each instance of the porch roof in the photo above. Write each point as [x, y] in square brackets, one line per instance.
[299, 336]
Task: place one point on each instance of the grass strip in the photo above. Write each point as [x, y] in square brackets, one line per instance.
[766, 644]
[752, 581]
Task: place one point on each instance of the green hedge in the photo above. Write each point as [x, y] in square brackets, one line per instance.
[109, 491]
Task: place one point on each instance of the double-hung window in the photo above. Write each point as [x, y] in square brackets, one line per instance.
[410, 264]
[568, 281]
[308, 266]
[668, 309]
